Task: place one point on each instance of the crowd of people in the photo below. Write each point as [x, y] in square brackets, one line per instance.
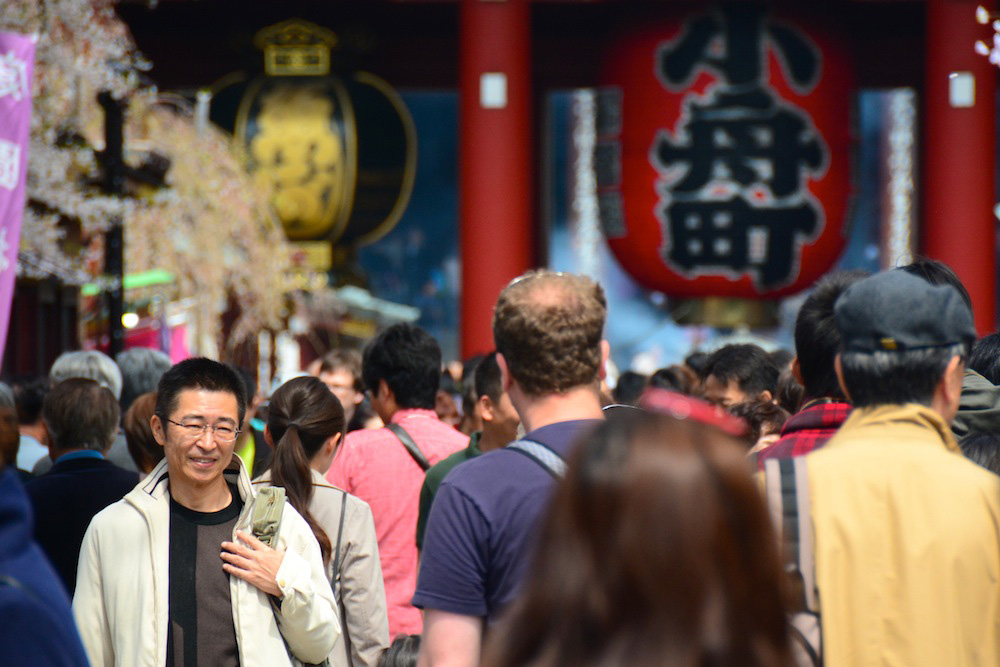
[743, 507]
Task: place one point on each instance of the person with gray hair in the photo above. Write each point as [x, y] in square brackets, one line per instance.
[904, 528]
[82, 419]
[90, 364]
[141, 369]
[99, 367]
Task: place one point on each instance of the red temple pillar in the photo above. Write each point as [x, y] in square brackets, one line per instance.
[496, 161]
[959, 152]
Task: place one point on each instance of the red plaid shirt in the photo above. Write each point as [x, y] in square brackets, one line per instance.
[806, 430]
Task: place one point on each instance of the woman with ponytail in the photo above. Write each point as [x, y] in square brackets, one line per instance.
[305, 424]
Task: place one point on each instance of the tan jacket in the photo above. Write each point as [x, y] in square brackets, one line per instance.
[360, 592]
[122, 591]
[907, 536]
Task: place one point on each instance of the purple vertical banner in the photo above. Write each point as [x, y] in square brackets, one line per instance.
[17, 57]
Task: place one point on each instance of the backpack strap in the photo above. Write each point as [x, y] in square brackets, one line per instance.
[266, 520]
[787, 484]
[542, 455]
[411, 446]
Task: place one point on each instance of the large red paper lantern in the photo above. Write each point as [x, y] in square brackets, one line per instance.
[724, 150]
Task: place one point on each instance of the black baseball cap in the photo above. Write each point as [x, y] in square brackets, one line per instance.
[894, 310]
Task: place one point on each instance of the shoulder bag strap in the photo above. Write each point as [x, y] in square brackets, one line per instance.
[335, 580]
[266, 520]
[542, 455]
[411, 445]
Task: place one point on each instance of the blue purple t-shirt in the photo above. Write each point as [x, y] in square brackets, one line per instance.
[482, 526]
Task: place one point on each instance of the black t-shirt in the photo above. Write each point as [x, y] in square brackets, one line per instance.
[201, 613]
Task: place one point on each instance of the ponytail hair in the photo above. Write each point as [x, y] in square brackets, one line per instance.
[302, 415]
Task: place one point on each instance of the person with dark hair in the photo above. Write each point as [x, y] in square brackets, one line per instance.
[340, 371]
[401, 368]
[145, 451]
[499, 426]
[979, 407]
[403, 652]
[9, 437]
[29, 394]
[982, 449]
[151, 589]
[470, 418]
[781, 358]
[905, 531]
[142, 368]
[37, 625]
[677, 378]
[764, 421]
[548, 329]
[817, 341]
[82, 420]
[305, 423]
[985, 357]
[619, 575]
[738, 373]
[629, 388]
[697, 361]
[937, 272]
[791, 393]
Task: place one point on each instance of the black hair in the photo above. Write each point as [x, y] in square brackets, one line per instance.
[199, 373]
[749, 365]
[937, 273]
[781, 358]
[985, 357]
[790, 393]
[487, 381]
[629, 387]
[982, 449]
[409, 360]
[696, 361]
[674, 378]
[29, 395]
[762, 418]
[403, 652]
[817, 340]
[896, 377]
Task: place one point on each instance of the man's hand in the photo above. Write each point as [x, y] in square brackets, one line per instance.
[256, 563]
[450, 640]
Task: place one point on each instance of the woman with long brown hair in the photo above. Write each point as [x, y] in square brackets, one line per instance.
[305, 423]
[657, 550]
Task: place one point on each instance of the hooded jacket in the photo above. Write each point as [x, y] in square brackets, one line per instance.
[122, 592]
[37, 626]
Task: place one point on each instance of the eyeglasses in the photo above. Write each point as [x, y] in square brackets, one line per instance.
[222, 432]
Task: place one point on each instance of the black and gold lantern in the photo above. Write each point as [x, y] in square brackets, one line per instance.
[338, 150]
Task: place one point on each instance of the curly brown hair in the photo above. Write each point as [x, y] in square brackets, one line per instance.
[548, 328]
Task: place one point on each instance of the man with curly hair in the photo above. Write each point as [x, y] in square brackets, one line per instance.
[548, 333]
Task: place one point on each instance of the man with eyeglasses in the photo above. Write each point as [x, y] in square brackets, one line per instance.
[172, 574]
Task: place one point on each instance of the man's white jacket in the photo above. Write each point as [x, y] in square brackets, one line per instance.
[122, 588]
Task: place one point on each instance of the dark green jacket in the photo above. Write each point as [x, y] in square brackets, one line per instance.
[435, 475]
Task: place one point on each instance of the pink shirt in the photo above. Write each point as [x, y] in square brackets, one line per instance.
[374, 466]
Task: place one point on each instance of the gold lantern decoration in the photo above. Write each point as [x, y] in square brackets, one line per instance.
[337, 150]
